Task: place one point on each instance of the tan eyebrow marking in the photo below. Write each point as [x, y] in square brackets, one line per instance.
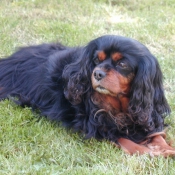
[116, 56]
[101, 55]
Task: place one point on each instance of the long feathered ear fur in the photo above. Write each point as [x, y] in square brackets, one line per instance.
[76, 75]
[147, 103]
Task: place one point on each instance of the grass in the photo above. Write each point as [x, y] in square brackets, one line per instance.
[32, 146]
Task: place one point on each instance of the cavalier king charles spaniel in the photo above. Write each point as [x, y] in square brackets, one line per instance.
[109, 89]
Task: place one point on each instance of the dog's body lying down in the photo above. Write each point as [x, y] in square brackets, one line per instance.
[110, 89]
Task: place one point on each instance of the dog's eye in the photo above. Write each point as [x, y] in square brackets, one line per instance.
[96, 61]
[122, 64]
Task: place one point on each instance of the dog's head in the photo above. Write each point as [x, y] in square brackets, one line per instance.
[116, 66]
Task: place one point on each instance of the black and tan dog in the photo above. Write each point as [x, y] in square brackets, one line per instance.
[110, 89]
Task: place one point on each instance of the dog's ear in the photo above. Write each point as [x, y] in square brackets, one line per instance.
[147, 102]
[77, 75]
[160, 101]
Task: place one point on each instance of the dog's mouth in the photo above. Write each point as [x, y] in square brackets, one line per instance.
[103, 90]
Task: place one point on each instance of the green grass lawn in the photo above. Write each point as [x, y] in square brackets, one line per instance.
[29, 145]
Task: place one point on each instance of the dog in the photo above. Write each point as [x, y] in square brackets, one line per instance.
[109, 89]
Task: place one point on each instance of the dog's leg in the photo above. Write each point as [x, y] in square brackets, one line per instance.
[133, 148]
[156, 147]
[158, 144]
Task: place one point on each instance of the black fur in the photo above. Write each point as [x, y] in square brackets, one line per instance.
[57, 80]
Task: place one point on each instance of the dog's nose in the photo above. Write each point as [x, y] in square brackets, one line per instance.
[99, 74]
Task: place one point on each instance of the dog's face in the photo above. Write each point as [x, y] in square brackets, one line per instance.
[112, 74]
[116, 62]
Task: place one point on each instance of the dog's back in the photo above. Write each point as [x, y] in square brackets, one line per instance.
[22, 73]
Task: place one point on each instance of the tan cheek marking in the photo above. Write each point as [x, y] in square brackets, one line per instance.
[116, 83]
[112, 81]
[101, 55]
[124, 84]
[116, 56]
[115, 77]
